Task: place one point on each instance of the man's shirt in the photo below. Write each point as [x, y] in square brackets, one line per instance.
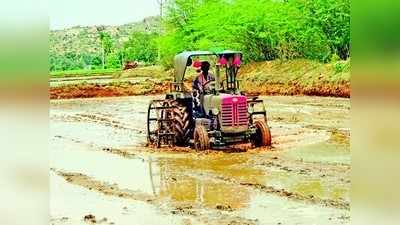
[200, 80]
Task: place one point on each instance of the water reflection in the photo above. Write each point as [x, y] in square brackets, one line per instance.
[207, 181]
[176, 179]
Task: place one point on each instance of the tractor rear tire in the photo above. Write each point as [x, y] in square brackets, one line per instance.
[262, 137]
[182, 124]
[201, 140]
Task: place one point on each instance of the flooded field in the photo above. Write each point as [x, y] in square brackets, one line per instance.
[103, 173]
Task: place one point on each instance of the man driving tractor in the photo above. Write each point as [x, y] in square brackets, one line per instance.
[200, 84]
[215, 114]
[203, 78]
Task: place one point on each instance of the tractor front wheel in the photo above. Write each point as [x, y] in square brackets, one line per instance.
[201, 140]
[262, 137]
[181, 124]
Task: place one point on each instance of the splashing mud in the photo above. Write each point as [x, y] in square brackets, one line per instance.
[101, 167]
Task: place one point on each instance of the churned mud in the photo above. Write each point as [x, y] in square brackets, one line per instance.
[74, 89]
[103, 173]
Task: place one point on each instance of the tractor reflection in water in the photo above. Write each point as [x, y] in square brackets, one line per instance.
[215, 115]
[167, 181]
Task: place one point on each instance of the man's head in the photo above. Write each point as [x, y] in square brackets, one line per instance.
[205, 66]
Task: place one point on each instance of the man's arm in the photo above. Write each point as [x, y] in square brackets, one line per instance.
[196, 85]
[211, 76]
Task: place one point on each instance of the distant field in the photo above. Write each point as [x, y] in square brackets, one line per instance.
[146, 71]
[78, 73]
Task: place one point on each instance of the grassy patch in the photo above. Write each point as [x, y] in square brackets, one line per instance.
[154, 72]
[297, 77]
[79, 73]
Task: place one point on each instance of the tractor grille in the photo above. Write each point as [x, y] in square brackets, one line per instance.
[234, 113]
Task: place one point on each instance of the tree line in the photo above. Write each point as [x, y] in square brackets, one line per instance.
[141, 46]
[261, 29]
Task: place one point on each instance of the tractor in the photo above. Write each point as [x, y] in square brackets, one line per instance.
[219, 116]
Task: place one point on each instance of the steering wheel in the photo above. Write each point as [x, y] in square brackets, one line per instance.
[204, 85]
[207, 82]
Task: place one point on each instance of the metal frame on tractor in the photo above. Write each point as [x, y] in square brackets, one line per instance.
[177, 124]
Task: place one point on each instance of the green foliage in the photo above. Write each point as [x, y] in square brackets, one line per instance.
[113, 60]
[333, 17]
[84, 72]
[262, 29]
[169, 46]
[141, 46]
[74, 61]
[81, 48]
[342, 66]
[107, 42]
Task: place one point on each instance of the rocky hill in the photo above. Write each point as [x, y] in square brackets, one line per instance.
[85, 39]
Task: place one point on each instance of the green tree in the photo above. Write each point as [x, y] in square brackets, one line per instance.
[262, 29]
[107, 44]
[141, 46]
[114, 59]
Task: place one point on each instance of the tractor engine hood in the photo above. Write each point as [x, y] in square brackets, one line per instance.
[233, 114]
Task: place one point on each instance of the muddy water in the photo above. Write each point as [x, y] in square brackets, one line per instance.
[101, 167]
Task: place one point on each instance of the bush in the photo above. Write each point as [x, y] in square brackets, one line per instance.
[342, 66]
[141, 46]
[262, 29]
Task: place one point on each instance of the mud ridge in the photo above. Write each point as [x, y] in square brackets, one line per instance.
[288, 194]
[149, 87]
[211, 217]
[96, 119]
[107, 90]
[122, 153]
[292, 195]
[305, 168]
[116, 151]
[102, 187]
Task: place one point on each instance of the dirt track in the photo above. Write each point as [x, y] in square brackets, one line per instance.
[101, 171]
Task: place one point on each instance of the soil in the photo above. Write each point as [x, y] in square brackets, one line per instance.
[107, 87]
[106, 90]
[337, 90]
[102, 172]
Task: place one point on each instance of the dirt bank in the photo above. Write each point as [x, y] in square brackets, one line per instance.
[297, 77]
[107, 90]
[127, 89]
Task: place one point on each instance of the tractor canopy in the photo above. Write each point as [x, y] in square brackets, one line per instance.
[183, 60]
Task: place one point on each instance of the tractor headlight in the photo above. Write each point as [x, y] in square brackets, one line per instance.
[215, 111]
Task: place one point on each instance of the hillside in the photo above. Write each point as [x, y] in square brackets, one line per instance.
[83, 41]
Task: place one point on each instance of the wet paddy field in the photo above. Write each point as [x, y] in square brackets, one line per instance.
[103, 173]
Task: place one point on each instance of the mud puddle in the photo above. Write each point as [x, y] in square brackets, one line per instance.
[97, 149]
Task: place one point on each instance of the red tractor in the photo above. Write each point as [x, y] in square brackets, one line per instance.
[218, 116]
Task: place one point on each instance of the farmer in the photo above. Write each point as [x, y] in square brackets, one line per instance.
[199, 85]
[203, 78]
